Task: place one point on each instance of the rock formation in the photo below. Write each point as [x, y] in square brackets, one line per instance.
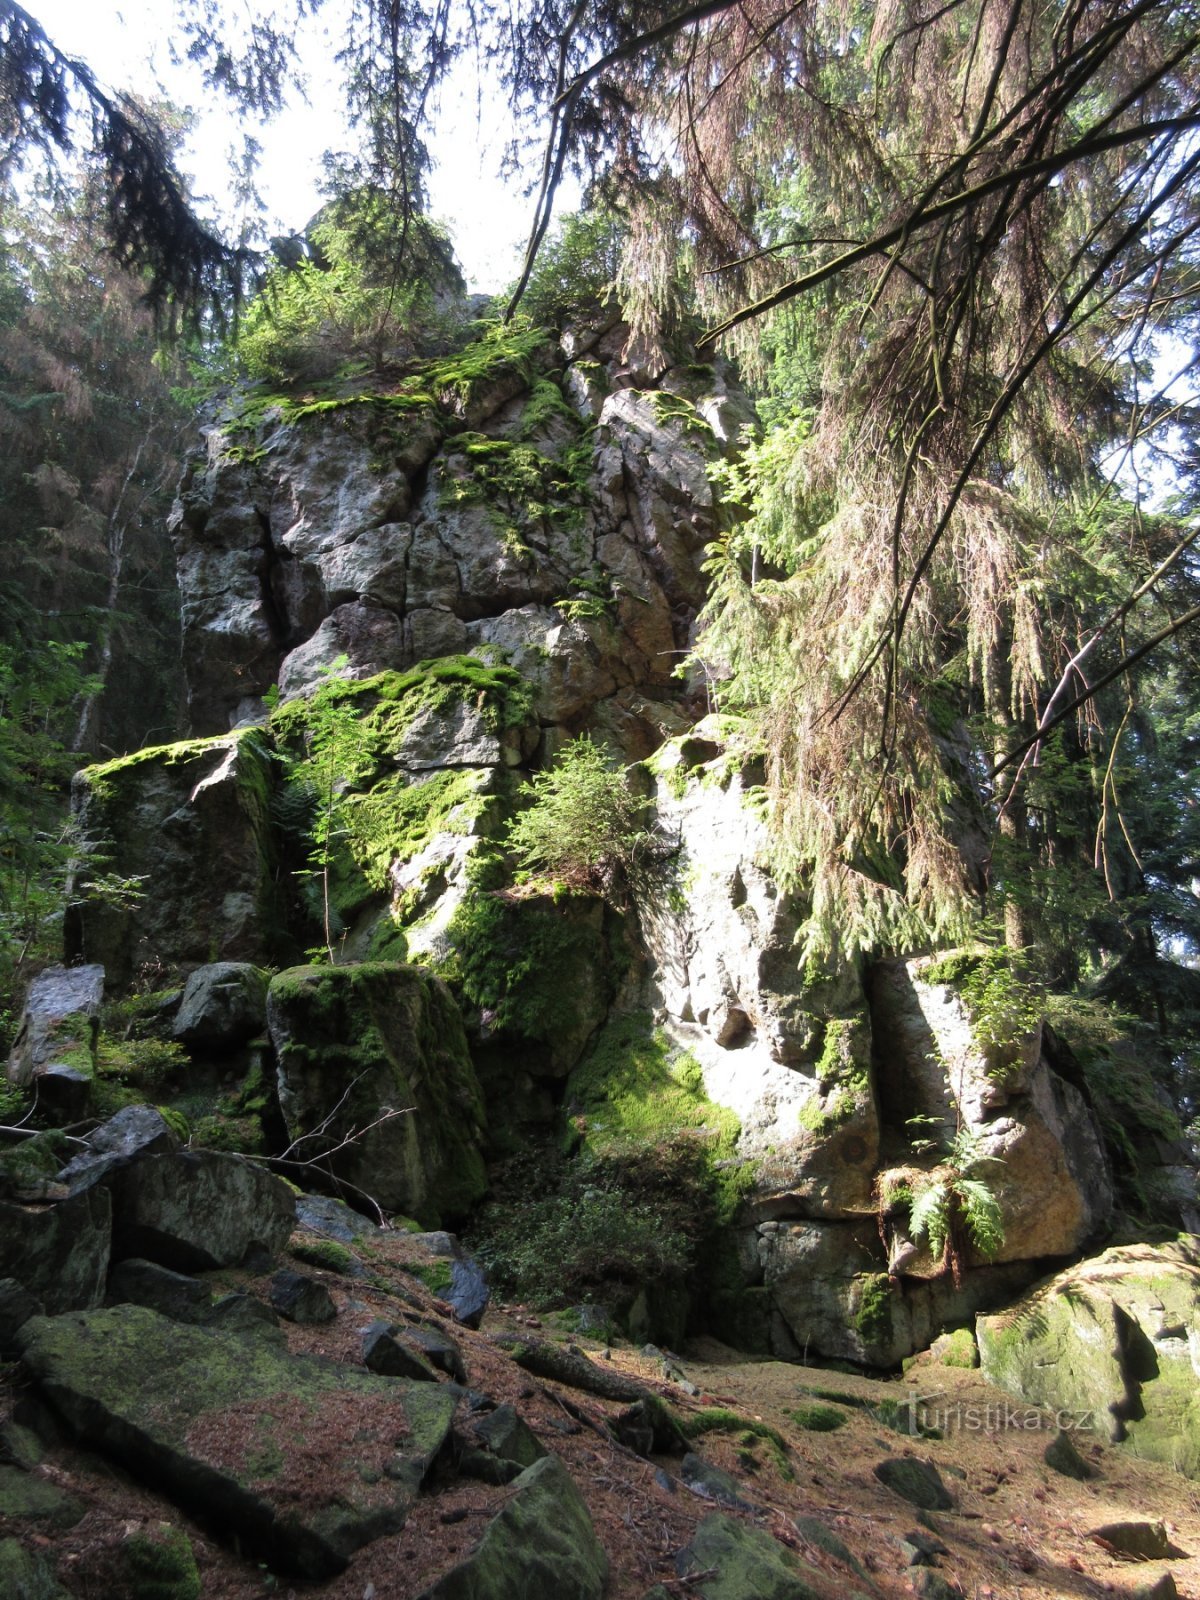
[456, 576]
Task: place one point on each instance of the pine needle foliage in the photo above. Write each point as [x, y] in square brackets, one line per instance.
[583, 827]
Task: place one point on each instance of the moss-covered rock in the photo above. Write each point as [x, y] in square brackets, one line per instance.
[542, 1546]
[158, 1563]
[25, 1576]
[1111, 1345]
[357, 1042]
[298, 1460]
[730, 1560]
[190, 824]
[59, 1253]
[29, 1499]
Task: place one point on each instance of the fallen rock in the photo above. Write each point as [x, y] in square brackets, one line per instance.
[55, 1047]
[711, 1483]
[299, 1460]
[814, 1532]
[199, 1209]
[1111, 1344]
[1141, 1541]
[301, 1299]
[319, 1213]
[506, 1445]
[1061, 1456]
[439, 1350]
[224, 1004]
[542, 1546]
[1162, 1588]
[134, 1132]
[59, 1253]
[383, 1353]
[729, 1560]
[467, 1292]
[918, 1482]
[17, 1305]
[171, 1294]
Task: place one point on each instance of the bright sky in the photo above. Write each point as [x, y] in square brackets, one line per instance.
[127, 45]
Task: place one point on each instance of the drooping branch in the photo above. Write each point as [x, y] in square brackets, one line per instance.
[151, 223]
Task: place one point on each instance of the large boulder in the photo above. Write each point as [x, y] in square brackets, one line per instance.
[301, 1461]
[193, 1210]
[374, 1069]
[189, 824]
[1113, 1346]
[55, 1048]
[134, 1132]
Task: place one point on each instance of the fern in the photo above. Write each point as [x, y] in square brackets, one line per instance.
[981, 1213]
[930, 1216]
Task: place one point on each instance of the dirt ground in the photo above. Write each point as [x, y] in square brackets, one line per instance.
[1019, 1529]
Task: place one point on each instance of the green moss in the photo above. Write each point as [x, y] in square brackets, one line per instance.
[388, 1034]
[437, 1276]
[817, 1418]
[525, 962]
[634, 1086]
[160, 1565]
[873, 1313]
[959, 1349]
[324, 1253]
[104, 777]
[396, 818]
[37, 1158]
[716, 1419]
[842, 1063]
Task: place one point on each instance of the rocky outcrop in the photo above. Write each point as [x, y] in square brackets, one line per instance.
[1113, 1346]
[186, 829]
[522, 508]
[374, 1070]
[1034, 1125]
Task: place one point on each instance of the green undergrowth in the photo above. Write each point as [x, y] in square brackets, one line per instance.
[817, 1418]
[1004, 1008]
[747, 1430]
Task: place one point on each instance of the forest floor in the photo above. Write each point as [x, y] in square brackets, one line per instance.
[1019, 1530]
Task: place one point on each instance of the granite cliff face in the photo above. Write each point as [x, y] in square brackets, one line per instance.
[495, 555]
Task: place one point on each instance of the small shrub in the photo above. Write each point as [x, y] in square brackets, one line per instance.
[583, 828]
